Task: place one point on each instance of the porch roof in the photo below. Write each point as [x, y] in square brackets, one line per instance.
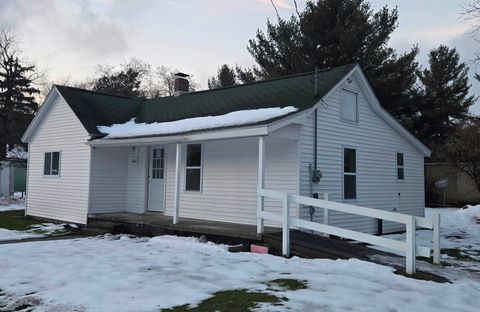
[207, 135]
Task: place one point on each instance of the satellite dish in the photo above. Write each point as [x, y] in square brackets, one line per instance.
[441, 184]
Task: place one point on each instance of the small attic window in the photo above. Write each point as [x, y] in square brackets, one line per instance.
[349, 106]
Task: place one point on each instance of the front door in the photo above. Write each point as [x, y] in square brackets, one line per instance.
[156, 179]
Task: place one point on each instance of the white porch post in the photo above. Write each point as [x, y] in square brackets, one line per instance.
[260, 183]
[176, 199]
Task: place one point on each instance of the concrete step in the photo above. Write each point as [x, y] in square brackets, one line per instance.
[92, 231]
[100, 227]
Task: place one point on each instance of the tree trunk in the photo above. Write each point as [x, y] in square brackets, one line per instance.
[3, 149]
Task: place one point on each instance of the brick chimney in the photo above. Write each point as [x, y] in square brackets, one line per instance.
[181, 84]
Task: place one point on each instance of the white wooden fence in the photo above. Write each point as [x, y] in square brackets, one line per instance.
[410, 247]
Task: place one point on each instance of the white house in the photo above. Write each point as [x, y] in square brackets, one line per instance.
[197, 154]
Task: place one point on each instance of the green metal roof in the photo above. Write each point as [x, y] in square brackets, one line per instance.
[99, 109]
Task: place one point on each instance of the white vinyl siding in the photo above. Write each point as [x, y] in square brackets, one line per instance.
[376, 143]
[137, 179]
[118, 179]
[109, 169]
[229, 183]
[64, 197]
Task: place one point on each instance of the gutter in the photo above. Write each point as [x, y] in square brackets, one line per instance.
[193, 137]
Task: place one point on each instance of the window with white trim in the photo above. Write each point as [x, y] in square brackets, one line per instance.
[193, 173]
[349, 173]
[51, 165]
[349, 106]
[400, 167]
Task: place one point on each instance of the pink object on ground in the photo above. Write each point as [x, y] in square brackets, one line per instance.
[258, 249]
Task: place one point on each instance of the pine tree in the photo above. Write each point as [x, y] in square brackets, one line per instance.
[225, 77]
[445, 98]
[125, 82]
[17, 101]
[330, 33]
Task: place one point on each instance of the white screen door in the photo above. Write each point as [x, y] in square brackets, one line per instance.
[156, 179]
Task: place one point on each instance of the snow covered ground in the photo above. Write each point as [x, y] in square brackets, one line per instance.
[459, 236]
[122, 273]
[36, 231]
[15, 203]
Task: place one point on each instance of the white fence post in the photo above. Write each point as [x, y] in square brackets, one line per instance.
[285, 225]
[436, 238]
[260, 184]
[326, 216]
[411, 245]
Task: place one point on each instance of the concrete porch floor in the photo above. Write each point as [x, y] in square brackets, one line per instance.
[165, 224]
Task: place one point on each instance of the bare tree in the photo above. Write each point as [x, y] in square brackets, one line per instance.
[463, 150]
[471, 14]
[44, 83]
[154, 82]
[161, 82]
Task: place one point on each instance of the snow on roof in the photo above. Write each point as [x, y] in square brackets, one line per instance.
[236, 118]
[17, 152]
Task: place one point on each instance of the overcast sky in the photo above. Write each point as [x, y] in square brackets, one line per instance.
[68, 38]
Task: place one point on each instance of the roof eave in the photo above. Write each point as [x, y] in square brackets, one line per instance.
[389, 119]
[40, 113]
[208, 135]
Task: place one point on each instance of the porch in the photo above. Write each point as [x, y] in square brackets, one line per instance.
[150, 224]
[207, 178]
[303, 244]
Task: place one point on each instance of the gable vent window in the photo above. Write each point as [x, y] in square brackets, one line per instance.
[51, 166]
[349, 174]
[400, 167]
[349, 106]
[193, 174]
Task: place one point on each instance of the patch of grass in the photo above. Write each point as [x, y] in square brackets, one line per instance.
[288, 283]
[22, 307]
[238, 300]
[15, 220]
[425, 259]
[457, 254]
[424, 276]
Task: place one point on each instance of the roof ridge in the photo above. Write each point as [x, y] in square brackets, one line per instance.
[206, 90]
[98, 92]
[256, 82]
[260, 81]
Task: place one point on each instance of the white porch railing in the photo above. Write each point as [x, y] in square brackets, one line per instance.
[410, 247]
